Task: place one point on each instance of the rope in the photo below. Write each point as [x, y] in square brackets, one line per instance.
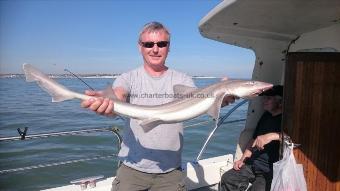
[196, 124]
[55, 164]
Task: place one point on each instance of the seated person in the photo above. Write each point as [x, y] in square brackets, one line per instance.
[256, 163]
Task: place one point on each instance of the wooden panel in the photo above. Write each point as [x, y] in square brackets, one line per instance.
[312, 116]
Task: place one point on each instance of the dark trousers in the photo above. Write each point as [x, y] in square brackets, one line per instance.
[234, 180]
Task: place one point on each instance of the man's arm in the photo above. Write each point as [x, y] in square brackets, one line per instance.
[262, 140]
[246, 154]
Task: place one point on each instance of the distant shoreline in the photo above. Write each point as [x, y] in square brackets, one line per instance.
[87, 76]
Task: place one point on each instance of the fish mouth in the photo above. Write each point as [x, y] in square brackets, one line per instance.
[257, 93]
[254, 94]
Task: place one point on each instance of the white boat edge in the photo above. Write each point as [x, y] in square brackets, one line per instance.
[200, 174]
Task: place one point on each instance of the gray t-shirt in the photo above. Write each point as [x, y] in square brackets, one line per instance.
[159, 150]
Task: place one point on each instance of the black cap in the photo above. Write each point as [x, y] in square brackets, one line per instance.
[276, 90]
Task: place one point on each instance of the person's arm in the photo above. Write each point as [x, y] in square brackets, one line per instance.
[246, 154]
[103, 106]
[262, 140]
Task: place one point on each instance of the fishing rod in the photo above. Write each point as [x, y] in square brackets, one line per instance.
[87, 86]
[78, 78]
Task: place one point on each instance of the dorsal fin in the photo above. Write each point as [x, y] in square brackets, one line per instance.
[108, 93]
[225, 78]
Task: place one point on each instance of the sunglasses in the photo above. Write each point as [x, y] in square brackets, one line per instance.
[160, 44]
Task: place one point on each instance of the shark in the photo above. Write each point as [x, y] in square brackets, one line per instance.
[188, 104]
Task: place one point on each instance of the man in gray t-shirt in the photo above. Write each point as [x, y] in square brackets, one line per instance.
[159, 150]
[151, 160]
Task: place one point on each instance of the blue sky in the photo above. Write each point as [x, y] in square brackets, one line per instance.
[88, 36]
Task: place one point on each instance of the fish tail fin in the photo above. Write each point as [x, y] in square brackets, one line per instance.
[29, 76]
[57, 91]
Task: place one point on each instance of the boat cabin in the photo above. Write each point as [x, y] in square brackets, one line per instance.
[296, 44]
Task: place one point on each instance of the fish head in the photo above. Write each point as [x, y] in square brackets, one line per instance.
[248, 89]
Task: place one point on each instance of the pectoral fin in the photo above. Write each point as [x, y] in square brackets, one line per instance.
[214, 110]
[148, 124]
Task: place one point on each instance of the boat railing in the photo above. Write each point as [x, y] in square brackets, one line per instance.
[220, 122]
[23, 136]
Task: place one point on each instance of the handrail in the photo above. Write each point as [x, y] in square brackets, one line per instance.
[114, 130]
[221, 121]
[56, 134]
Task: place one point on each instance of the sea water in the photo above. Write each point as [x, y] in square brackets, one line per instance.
[24, 104]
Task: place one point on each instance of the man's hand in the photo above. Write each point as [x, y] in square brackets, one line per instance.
[238, 164]
[227, 100]
[100, 105]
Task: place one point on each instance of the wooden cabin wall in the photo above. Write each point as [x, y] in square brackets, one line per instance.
[312, 115]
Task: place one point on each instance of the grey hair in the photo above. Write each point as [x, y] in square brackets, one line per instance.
[151, 27]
